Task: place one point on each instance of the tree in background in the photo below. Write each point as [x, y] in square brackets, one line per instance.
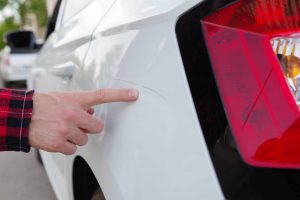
[9, 24]
[38, 7]
[3, 3]
[22, 9]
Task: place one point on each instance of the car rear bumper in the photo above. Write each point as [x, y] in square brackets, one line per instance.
[15, 73]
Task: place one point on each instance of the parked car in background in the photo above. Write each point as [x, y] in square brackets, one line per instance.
[17, 58]
[176, 142]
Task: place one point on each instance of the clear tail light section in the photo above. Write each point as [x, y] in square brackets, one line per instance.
[254, 48]
[287, 50]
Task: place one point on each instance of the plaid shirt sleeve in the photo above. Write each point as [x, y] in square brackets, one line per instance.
[15, 115]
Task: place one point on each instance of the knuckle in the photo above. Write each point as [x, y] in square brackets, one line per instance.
[100, 94]
[68, 114]
[96, 126]
[70, 151]
[56, 144]
[63, 129]
[83, 140]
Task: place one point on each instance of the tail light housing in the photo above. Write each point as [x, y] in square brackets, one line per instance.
[254, 48]
[6, 61]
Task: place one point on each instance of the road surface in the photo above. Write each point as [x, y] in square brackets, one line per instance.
[22, 177]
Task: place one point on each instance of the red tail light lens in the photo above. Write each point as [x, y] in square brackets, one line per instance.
[6, 61]
[253, 47]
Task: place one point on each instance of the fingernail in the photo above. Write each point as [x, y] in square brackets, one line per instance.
[91, 111]
[133, 94]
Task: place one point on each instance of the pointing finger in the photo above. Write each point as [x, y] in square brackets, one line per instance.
[89, 99]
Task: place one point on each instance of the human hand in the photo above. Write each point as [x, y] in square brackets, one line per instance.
[61, 121]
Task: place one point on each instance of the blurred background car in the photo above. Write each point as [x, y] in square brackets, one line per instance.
[17, 58]
[25, 22]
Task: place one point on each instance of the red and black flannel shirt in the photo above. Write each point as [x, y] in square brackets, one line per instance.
[15, 115]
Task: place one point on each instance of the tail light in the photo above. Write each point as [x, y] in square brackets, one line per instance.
[254, 48]
[6, 61]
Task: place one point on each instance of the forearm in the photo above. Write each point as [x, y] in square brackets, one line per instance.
[15, 115]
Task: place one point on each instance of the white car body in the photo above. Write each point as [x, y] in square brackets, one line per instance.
[16, 66]
[153, 148]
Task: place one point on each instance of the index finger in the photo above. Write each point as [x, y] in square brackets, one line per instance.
[92, 98]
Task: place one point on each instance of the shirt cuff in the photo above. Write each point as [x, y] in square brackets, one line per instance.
[15, 115]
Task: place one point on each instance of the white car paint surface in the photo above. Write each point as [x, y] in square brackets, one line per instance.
[150, 149]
